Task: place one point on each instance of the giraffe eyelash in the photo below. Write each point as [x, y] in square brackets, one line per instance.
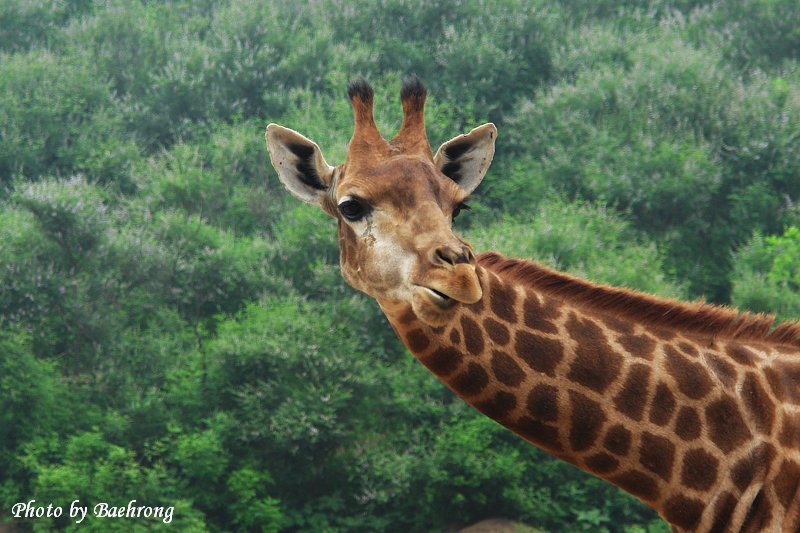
[460, 207]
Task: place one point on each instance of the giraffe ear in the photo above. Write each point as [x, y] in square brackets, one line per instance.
[299, 162]
[466, 158]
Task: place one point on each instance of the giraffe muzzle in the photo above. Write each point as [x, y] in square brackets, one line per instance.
[457, 285]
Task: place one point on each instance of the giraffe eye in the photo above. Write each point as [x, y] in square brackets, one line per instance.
[460, 207]
[353, 209]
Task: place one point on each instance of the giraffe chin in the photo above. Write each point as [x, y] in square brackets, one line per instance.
[429, 310]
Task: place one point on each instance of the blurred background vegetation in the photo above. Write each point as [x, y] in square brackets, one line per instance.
[173, 326]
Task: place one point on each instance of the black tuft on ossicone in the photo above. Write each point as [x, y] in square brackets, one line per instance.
[358, 86]
[413, 89]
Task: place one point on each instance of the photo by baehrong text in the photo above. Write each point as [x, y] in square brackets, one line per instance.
[31, 510]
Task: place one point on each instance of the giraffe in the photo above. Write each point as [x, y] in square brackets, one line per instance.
[692, 408]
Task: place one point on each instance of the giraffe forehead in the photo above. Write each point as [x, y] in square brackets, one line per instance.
[403, 181]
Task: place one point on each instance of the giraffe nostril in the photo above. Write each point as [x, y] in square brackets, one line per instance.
[451, 255]
[445, 255]
[470, 256]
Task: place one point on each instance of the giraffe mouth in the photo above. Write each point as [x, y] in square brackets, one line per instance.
[435, 295]
[438, 298]
[434, 300]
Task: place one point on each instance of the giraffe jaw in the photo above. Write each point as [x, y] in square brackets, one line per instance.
[430, 308]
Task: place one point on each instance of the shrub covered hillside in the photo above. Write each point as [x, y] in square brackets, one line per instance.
[173, 326]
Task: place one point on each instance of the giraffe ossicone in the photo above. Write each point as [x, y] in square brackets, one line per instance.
[692, 408]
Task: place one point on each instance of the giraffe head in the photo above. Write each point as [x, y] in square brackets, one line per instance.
[395, 202]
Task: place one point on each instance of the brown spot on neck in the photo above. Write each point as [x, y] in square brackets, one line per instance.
[501, 299]
[683, 511]
[699, 469]
[657, 454]
[596, 365]
[726, 426]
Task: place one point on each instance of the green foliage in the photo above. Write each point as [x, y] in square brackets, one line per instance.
[467, 57]
[71, 214]
[295, 397]
[212, 272]
[58, 119]
[93, 470]
[786, 251]
[292, 388]
[253, 511]
[32, 404]
[588, 241]
[656, 526]
[220, 181]
[767, 274]
[24, 25]
[696, 154]
[173, 325]
[754, 33]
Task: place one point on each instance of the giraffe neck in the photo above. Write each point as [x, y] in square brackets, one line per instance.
[652, 411]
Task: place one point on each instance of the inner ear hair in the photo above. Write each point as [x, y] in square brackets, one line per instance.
[306, 171]
[466, 158]
[299, 162]
[452, 169]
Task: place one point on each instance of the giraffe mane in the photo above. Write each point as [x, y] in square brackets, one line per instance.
[661, 312]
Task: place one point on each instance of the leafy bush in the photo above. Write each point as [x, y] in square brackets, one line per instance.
[466, 56]
[584, 240]
[753, 33]
[32, 404]
[698, 156]
[221, 181]
[253, 510]
[38, 23]
[767, 274]
[92, 470]
[59, 120]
